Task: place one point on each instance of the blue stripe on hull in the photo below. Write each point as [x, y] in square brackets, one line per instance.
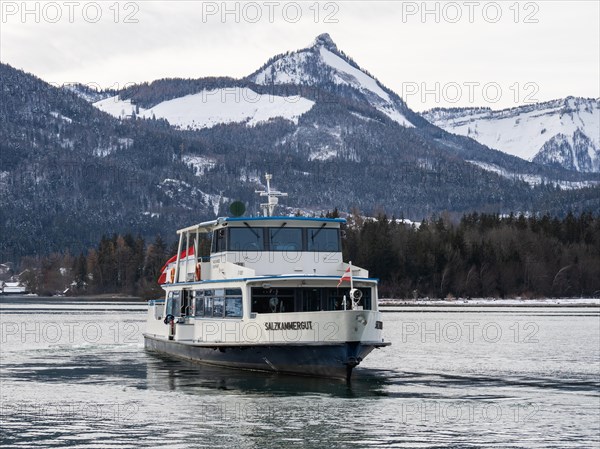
[310, 360]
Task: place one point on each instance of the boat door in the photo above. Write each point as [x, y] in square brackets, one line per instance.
[187, 303]
[172, 311]
[180, 303]
[173, 306]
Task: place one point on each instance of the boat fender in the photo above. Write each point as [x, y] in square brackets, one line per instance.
[198, 271]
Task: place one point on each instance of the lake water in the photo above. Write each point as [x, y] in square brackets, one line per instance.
[75, 374]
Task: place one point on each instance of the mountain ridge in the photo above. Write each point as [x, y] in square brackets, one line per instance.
[528, 131]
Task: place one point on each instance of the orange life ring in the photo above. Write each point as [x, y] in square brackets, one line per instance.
[172, 275]
[198, 271]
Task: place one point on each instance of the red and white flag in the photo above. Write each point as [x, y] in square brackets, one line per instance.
[347, 276]
[170, 264]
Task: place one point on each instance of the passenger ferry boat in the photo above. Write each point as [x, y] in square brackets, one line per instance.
[274, 295]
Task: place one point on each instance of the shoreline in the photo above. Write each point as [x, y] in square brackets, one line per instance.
[383, 302]
[488, 302]
[104, 297]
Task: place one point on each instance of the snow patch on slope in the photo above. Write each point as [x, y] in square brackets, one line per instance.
[346, 74]
[200, 164]
[112, 146]
[288, 70]
[118, 108]
[88, 93]
[213, 107]
[179, 191]
[362, 117]
[59, 116]
[323, 154]
[530, 179]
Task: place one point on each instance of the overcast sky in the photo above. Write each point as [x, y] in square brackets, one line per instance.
[478, 53]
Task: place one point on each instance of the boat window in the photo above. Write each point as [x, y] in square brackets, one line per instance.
[305, 299]
[218, 306]
[280, 238]
[285, 239]
[218, 242]
[208, 306]
[199, 307]
[219, 303]
[333, 299]
[246, 239]
[158, 308]
[174, 304]
[233, 307]
[311, 299]
[323, 239]
[318, 299]
[273, 300]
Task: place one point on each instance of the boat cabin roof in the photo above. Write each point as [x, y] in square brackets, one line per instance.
[209, 226]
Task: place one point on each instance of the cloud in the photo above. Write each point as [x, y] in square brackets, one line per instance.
[142, 41]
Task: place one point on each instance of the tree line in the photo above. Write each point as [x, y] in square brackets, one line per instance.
[482, 255]
[120, 264]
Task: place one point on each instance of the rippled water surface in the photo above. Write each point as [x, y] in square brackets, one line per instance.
[75, 374]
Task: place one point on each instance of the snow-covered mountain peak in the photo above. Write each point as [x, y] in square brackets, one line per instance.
[324, 40]
[306, 66]
[323, 65]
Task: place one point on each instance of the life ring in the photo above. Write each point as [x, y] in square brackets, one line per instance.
[172, 275]
[198, 271]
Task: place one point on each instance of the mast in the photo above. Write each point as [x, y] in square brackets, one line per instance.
[272, 197]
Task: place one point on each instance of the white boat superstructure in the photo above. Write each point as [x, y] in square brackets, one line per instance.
[273, 295]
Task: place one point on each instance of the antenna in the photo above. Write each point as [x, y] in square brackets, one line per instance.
[272, 197]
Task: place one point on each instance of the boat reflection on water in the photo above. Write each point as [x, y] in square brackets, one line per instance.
[165, 373]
